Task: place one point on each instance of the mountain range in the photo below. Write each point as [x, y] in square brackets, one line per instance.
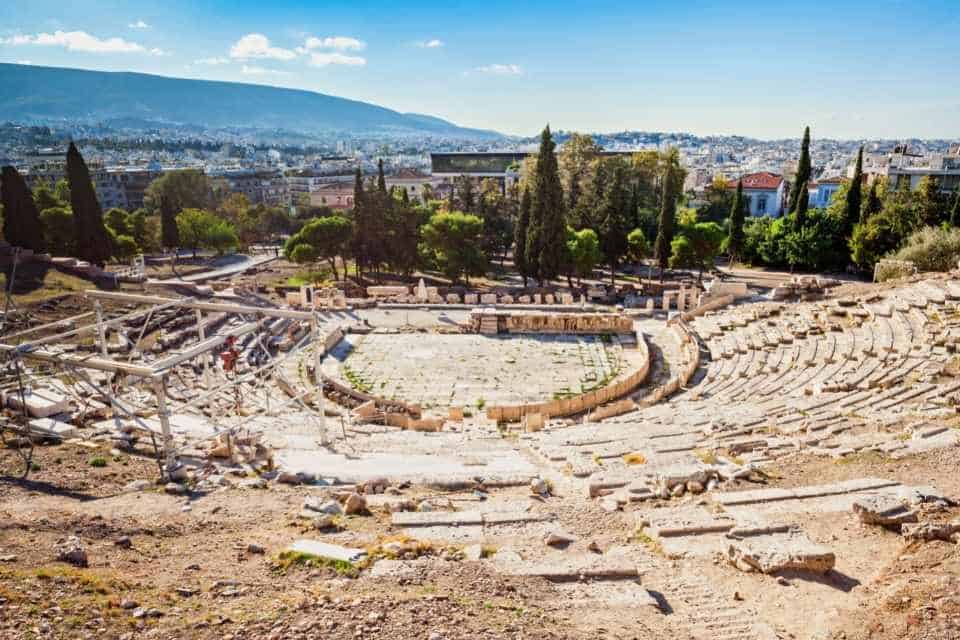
[50, 94]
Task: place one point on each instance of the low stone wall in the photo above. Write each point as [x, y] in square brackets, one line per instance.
[707, 304]
[482, 321]
[581, 403]
[690, 351]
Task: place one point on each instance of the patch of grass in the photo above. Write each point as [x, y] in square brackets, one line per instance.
[654, 546]
[635, 458]
[98, 461]
[481, 403]
[290, 559]
[706, 456]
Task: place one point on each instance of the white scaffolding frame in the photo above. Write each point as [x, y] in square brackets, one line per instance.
[154, 375]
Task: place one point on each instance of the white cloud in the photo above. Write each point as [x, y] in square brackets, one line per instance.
[80, 41]
[340, 43]
[24, 61]
[139, 24]
[501, 69]
[429, 44]
[159, 52]
[253, 70]
[215, 61]
[324, 59]
[256, 45]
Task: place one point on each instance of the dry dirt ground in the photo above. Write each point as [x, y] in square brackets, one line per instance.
[189, 565]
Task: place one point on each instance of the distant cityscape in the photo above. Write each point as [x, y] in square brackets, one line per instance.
[285, 169]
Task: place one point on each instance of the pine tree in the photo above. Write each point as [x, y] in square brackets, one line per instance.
[21, 221]
[93, 243]
[736, 237]
[547, 239]
[169, 233]
[520, 236]
[799, 194]
[668, 211]
[854, 202]
[873, 204]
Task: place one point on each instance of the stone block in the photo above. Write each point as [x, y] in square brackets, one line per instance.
[453, 298]
[770, 554]
[40, 403]
[324, 550]
[488, 298]
[471, 298]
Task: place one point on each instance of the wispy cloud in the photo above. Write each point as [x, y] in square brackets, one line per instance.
[257, 46]
[334, 58]
[254, 70]
[214, 61]
[81, 41]
[24, 61]
[501, 69]
[340, 43]
[429, 44]
[139, 24]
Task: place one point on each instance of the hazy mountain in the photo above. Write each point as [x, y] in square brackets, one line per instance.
[34, 93]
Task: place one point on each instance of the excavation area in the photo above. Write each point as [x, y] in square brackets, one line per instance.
[221, 467]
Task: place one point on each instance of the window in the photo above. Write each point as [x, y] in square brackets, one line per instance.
[761, 204]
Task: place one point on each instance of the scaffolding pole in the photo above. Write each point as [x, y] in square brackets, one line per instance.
[318, 376]
[160, 390]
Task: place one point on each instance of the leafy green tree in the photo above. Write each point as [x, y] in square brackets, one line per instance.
[719, 201]
[496, 210]
[932, 248]
[452, 239]
[92, 242]
[21, 220]
[546, 238]
[799, 192]
[200, 229]
[182, 189]
[61, 191]
[58, 230]
[124, 247]
[755, 231]
[465, 194]
[735, 239]
[637, 247]
[885, 231]
[145, 230]
[118, 221]
[662, 245]
[697, 246]
[45, 197]
[583, 247]
[320, 239]
[854, 197]
[520, 232]
[576, 161]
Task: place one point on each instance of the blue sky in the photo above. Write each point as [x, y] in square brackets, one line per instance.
[883, 68]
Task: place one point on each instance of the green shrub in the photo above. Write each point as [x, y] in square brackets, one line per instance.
[931, 249]
[99, 461]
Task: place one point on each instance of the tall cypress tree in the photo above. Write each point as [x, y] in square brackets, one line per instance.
[668, 211]
[381, 179]
[851, 211]
[736, 237]
[615, 217]
[873, 204]
[169, 232]
[93, 243]
[21, 221]
[799, 195]
[955, 212]
[520, 236]
[546, 242]
[360, 226]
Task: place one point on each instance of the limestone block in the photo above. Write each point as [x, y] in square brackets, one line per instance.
[548, 299]
[537, 298]
[566, 298]
[524, 299]
[386, 291]
[506, 299]
[41, 403]
[886, 511]
[770, 554]
[471, 298]
[453, 298]
[488, 298]
[533, 422]
[455, 414]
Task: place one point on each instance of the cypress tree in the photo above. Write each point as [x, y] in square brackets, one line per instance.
[381, 180]
[359, 222]
[546, 243]
[614, 218]
[520, 236]
[668, 211]
[93, 243]
[21, 221]
[736, 237]
[873, 204]
[851, 212]
[955, 212]
[799, 195]
[169, 232]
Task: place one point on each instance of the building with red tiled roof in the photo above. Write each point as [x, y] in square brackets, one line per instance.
[822, 191]
[764, 192]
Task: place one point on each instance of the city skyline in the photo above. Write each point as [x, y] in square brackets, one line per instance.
[863, 70]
